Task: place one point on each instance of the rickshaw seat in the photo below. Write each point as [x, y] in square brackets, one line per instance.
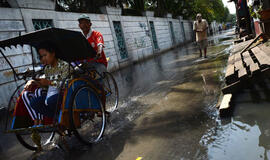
[21, 117]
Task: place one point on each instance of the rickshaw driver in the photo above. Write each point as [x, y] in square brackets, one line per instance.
[95, 39]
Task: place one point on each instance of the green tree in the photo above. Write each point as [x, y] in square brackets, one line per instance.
[210, 9]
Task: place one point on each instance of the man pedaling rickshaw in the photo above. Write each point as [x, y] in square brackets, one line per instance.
[95, 39]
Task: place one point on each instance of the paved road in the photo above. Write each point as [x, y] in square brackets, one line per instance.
[167, 104]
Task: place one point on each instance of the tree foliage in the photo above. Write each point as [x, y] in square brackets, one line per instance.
[210, 9]
[4, 3]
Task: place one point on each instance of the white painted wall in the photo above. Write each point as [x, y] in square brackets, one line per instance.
[11, 23]
[188, 30]
[137, 37]
[136, 31]
[177, 31]
[163, 33]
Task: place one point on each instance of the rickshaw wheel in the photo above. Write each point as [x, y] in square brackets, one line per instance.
[88, 125]
[28, 143]
[11, 105]
[25, 138]
[112, 94]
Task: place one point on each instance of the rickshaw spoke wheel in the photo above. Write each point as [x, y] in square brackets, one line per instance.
[11, 106]
[111, 90]
[87, 115]
[25, 137]
[27, 141]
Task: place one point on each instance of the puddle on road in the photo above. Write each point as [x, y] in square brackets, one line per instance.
[145, 84]
[246, 135]
[236, 140]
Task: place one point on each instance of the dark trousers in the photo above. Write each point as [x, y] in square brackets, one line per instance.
[38, 104]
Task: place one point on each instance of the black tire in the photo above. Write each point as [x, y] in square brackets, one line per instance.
[11, 105]
[111, 90]
[15, 95]
[26, 140]
[92, 125]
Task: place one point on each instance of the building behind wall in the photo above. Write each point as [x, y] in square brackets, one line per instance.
[262, 24]
[244, 20]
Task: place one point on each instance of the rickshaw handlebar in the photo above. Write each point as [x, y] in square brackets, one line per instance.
[28, 74]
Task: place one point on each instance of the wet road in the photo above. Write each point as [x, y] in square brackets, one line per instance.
[168, 111]
[168, 104]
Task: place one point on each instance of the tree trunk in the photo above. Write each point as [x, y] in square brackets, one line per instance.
[139, 5]
[161, 8]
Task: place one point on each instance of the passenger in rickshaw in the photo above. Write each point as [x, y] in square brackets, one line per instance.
[32, 89]
[95, 39]
[44, 100]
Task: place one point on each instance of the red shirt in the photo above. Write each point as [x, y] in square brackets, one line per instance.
[95, 39]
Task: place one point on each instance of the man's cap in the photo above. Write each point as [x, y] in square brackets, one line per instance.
[199, 15]
[84, 16]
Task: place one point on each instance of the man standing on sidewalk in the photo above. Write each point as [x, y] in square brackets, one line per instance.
[200, 26]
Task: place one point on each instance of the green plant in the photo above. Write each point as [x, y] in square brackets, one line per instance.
[255, 13]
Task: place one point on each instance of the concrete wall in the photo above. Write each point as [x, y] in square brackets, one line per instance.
[163, 33]
[188, 30]
[44, 4]
[177, 31]
[11, 23]
[137, 37]
[136, 30]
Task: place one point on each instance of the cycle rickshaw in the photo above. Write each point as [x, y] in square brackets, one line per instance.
[82, 108]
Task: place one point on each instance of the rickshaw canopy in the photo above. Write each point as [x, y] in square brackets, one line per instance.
[71, 45]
